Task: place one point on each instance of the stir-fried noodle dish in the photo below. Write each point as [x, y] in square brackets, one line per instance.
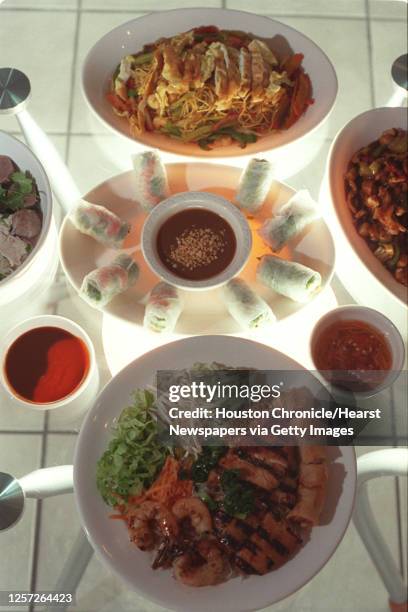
[210, 86]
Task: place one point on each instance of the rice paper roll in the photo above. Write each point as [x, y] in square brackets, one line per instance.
[151, 179]
[254, 185]
[248, 309]
[100, 286]
[291, 279]
[100, 223]
[291, 219]
[162, 309]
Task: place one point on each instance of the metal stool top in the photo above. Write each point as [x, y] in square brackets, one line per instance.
[15, 90]
[11, 501]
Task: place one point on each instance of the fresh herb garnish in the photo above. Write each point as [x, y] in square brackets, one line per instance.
[207, 460]
[239, 496]
[134, 456]
[209, 501]
[13, 195]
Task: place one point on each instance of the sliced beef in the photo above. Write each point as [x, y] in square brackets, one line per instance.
[12, 248]
[26, 223]
[6, 168]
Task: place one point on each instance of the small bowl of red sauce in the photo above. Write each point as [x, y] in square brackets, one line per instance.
[48, 362]
[196, 240]
[358, 350]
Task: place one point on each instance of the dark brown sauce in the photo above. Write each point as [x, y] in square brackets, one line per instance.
[46, 364]
[196, 244]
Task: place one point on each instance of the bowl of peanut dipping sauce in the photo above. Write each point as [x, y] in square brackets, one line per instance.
[196, 240]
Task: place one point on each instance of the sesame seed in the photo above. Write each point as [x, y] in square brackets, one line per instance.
[196, 247]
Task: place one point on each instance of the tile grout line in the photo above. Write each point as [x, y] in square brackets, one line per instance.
[370, 52]
[73, 73]
[143, 11]
[38, 515]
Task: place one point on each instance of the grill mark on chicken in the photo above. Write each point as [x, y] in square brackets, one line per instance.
[260, 543]
[245, 567]
[265, 459]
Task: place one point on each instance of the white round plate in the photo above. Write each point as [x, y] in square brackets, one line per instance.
[130, 37]
[204, 311]
[375, 278]
[110, 538]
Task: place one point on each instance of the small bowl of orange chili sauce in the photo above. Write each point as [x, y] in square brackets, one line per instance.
[48, 362]
[357, 349]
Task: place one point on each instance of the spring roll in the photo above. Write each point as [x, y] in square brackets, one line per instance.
[247, 308]
[309, 506]
[100, 286]
[100, 223]
[151, 179]
[289, 220]
[291, 279]
[254, 185]
[162, 309]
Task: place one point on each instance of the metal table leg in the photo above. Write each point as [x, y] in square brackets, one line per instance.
[388, 462]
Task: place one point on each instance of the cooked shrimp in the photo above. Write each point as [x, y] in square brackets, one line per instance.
[193, 509]
[149, 521]
[203, 566]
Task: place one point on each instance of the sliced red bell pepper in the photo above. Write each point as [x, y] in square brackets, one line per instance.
[210, 29]
[117, 102]
[235, 41]
[302, 94]
[301, 98]
[292, 63]
[279, 116]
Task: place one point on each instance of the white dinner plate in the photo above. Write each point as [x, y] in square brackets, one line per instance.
[204, 311]
[130, 37]
[110, 538]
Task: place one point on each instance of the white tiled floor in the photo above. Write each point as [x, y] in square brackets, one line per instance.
[49, 40]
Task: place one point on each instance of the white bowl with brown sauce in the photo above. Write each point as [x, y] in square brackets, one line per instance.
[196, 240]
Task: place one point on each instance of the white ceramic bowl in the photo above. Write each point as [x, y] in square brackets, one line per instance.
[208, 201]
[110, 538]
[361, 272]
[19, 281]
[82, 397]
[376, 320]
[130, 37]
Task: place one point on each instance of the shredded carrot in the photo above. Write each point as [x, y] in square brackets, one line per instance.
[117, 517]
[166, 489]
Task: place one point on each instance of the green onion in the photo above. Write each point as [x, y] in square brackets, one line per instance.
[143, 58]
